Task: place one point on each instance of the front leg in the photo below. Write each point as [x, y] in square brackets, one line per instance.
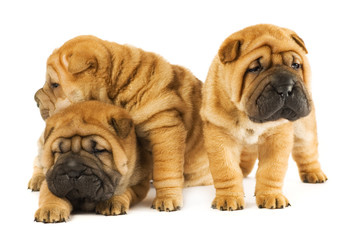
[305, 150]
[166, 135]
[224, 159]
[52, 209]
[37, 177]
[120, 204]
[273, 152]
[38, 173]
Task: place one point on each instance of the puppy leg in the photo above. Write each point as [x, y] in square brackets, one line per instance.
[249, 156]
[305, 150]
[168, 146]
[273, 152]
[120, 204]
[165, 135]
[223, 153]
[52, 209]
[37, 176]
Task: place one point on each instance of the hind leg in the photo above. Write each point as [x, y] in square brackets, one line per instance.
[248, 158]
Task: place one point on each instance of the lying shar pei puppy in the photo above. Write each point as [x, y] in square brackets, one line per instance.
[163, 100]
[91, 162]
[257, 104]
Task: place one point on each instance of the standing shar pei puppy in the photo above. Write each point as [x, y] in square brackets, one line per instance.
[91, 162]
[163, 100]
[257, 104]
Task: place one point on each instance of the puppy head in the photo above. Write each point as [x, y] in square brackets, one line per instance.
[89, 151]
[78, 71]
[267, 73]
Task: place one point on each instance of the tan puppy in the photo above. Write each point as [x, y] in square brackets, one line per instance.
[163, 100]
[91, 161]
[257, 104]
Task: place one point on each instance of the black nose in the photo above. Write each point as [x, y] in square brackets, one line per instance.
[73, 168]
[283, 85]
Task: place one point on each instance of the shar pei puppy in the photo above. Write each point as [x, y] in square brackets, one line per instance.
[91, 162]
[164, 101]
[257, 103]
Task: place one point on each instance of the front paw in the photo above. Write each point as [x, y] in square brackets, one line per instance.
[313, 177]
[168, 200]
[272, 201]
[228, 203]
[52, 213]
[35, 182]
[114, 206]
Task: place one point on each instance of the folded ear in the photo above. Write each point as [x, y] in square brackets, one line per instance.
[229, 50]
[299, 41]
[122, 126]
[80, 61]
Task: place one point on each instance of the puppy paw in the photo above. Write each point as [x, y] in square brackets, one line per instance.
[313, 177]
[52, 214]
[114, 206]
[228, 203]
[35, 182]
[168, 201]
[272, 201]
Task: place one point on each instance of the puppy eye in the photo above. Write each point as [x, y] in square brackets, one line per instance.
[255, 69]
[96, 150]
[296, 66]
[54, 85]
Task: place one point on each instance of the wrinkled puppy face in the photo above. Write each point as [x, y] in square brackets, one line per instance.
[276, 88]
[90, 152]
[83, 169]
[75, 72]
[267, 73]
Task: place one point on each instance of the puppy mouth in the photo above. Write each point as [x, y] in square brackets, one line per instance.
[45, 113]
[76, 181]
[86, 186]
[272, 106]
[285, 113]
[282, 97]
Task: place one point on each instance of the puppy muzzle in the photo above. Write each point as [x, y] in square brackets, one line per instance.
[283, 97]
[79, 178]
[40, 94]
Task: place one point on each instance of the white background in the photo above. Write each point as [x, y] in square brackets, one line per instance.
[187, 33]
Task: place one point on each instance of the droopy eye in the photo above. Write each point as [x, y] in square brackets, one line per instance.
[54, 85]
[296, 66]
[96, 149]
[255, 69]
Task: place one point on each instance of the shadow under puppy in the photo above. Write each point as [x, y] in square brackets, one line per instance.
[91, 162]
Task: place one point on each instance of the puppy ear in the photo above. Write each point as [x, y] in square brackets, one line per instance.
[122, 126]
[229, 50]
[300, 42]
[81, 61]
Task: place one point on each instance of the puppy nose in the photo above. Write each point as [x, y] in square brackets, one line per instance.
[284, 90]
[73, 169]
[283, 85]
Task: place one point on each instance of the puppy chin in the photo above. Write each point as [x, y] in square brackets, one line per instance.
[45, 113]
[80, 180]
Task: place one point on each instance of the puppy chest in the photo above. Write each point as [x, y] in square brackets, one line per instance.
[247, 135]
